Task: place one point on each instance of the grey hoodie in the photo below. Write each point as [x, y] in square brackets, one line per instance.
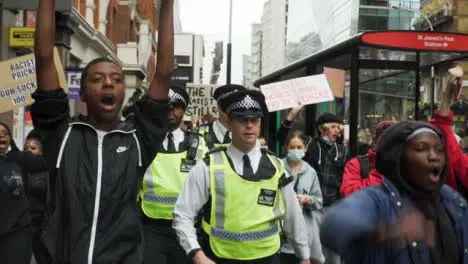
[306, 183]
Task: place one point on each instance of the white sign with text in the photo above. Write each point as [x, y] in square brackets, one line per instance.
[300, 91]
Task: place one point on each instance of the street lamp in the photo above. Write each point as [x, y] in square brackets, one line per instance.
[229, 47]
[432, 67]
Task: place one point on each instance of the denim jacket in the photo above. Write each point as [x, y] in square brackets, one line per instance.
[351, 225]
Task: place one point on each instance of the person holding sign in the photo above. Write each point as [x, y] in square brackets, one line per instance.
[245, 193]
[163, 182]
[216, 134]
[98, 160]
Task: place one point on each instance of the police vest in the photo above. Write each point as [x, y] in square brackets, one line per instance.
[210, 138]
[165, 178]
[245, 215]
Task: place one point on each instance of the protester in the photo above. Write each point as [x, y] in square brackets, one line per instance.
[412, 217]
[99, 160]
[39, 197]
[360, 171]
[457, 159]
[309, 196]
[15, 217]
[245, 193]
[327, 157]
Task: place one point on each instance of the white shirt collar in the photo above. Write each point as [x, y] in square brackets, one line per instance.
[219, 130]
[178, 135]
[236, 156]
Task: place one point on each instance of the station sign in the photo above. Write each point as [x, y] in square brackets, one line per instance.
[417, 40]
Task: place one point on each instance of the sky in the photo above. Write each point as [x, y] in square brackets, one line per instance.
[210, 18]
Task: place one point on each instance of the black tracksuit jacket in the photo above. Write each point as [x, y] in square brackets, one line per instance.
[96, 217]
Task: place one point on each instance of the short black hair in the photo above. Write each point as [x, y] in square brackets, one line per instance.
[85, 72]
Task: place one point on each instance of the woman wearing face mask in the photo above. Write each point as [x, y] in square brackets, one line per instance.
[412, 217]
[309, 196]
[15, 217]
[39, 196]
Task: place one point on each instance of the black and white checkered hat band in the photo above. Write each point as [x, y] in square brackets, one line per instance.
[173, 96]
[246, 104]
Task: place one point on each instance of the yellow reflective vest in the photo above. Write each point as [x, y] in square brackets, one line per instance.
[164, 179]
[245, 216]
[210, 139]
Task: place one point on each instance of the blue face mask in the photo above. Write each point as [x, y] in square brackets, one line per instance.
[296, 154]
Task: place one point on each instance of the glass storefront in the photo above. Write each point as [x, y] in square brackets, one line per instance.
[385, 95]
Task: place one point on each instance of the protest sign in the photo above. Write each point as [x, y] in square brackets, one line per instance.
[300, 91]
[201, 100]
[337, 80]
[74, 83]
[19, 81]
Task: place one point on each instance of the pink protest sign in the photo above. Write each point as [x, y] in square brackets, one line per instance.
[300, 91]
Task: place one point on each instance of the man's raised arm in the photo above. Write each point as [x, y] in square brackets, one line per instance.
[159, 86]
[47, 77]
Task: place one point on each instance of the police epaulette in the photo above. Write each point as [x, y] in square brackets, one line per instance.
[206, 159]
[283, 181]
[216, 149]
[191, 132]
[267, 151]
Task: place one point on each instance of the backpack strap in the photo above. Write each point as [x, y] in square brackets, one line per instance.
[365, 166]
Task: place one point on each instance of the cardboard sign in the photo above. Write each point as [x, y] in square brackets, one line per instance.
[300, 91]
[201, 100]
[337, 80]
[19, 81]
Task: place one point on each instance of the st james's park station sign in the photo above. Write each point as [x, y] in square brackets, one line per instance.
[60, 5]
[411, 40]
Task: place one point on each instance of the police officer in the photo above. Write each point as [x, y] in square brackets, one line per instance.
[244, 193]
[216, 133]
[163, 181]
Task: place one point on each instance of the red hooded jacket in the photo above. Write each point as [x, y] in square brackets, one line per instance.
[352, 180]
[457, 160]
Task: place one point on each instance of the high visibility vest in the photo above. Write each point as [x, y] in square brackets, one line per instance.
[209, 137]
[245, 216]
[163, 182]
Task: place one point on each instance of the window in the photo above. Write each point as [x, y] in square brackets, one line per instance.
[182, 59]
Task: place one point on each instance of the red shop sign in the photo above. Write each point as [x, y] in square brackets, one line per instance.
[414, 40]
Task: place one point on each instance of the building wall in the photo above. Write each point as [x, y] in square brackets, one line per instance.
[274, 36]
[252, 63]
[189, 52]
[177, 19]
[8, 19]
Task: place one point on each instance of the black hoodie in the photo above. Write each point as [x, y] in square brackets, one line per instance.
[15, 167]
[389, 157]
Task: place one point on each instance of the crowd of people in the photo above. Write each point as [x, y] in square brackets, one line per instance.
[145, 188]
